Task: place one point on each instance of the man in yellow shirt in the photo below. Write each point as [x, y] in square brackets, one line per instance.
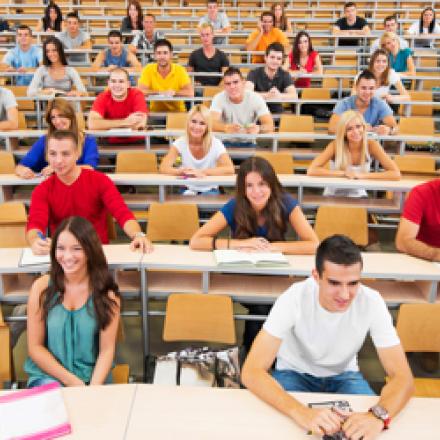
[165, 78]
[265, 35]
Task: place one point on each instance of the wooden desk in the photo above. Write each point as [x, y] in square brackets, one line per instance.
[214, 413]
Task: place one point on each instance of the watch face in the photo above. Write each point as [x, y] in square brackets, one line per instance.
[380, 412]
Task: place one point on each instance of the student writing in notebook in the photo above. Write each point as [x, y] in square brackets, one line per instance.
[258, 217]
[73, 312]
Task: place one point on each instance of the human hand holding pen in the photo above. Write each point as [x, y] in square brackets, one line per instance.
[41, 245]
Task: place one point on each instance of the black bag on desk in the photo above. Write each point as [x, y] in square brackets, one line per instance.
[199, 367]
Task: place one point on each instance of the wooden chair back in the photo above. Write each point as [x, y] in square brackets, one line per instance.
[297, 124]
[13, 220]
[25, 104]
[22, 123]
[347, 220]
[136, 162]
[419, 110]
[420, 126]
[176, 121]
[172, 221]
[7, 162]
[411, 164]
[5, 352]
[282, 163]
[313, 93]
[418, 327]
[199, 317]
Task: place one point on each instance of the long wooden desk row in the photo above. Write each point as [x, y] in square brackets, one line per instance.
[176, 268]
[273, 138]
[299, 182]
[139, 411]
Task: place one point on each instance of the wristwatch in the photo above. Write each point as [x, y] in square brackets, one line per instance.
[382, 414]
[139, 234]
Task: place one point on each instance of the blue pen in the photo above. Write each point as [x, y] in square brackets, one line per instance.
[41, 235]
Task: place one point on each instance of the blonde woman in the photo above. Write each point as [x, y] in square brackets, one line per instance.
[386, 77]
[400, 59]
[202, 154]
[350, 155]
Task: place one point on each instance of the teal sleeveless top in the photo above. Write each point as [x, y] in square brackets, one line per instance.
[72, 336]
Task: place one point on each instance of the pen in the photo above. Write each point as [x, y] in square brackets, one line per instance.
[41, 235]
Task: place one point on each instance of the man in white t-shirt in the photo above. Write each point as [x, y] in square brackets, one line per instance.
[315, 330]
[237, 110]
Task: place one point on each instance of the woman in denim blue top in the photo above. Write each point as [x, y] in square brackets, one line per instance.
[73, 312]
[258, 217]
[60, 115]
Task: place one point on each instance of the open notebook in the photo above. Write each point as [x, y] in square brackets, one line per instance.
[35, 413]
[29, 259]
[231, 257]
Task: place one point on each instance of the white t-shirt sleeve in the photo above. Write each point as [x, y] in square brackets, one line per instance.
[261, 107]
[217, 147]
[180, 144]
[382, 330]
[393, 77]
[284, 314]
[218, 103]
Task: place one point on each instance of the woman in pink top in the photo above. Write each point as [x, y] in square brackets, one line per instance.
[303, 59]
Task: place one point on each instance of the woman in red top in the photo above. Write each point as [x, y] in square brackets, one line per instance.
[303, 59]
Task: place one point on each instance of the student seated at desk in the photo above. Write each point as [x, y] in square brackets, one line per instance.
[426, 27]
[315, 330]
[73, 312]
[386, 77]
[258, 217]
[401, 60]
[60, 115]
[52, 20]
[202, 154]
[72, 190]
[55, 77]
[350, 155]
[116, 55]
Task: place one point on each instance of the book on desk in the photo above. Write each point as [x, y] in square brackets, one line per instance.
[28, 258]
[231, 257]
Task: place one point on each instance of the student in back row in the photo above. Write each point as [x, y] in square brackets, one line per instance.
[73, 312]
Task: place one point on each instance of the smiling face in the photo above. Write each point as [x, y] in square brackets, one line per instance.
[133, 12]
[427, 17]
[53, 14]
[24, 38]
[274, 60]
[212, 10]
[148, 24]
[115, 45]
[52, 53]
[303, 44]
[72, 26]
[267, 23]
[197, 126]
[59, 121]
[391, 45]
[365, 90]
[257, 191]
[70, 255]
[391, 25]
[354, 131]
[380, 64]
[278, 11]
[62, 155]
[350, 13]
[338, 285]
[163, 55]
[118, 85]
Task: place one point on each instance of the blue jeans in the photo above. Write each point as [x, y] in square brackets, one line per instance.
[41, 381]
[243, 144]
[349, 382]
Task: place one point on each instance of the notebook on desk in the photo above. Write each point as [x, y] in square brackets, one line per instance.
[28, 258]
[35, 413]
[231, 257]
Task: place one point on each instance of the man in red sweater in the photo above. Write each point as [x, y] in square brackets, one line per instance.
[73, 190]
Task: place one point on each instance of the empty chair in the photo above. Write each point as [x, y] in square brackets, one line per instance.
[418, 327]
[199, 317]
[419, 126]
[172, 221]
[350, 221]
[7, 163]
[176, 121]
[410, 164]
[136, 162]
[418, 110]
[297, 124]
[282, 163]
[5, 352]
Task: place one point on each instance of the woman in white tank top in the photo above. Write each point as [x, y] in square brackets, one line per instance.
[350, 155]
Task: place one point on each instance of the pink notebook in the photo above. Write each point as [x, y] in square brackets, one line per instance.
[34, 414]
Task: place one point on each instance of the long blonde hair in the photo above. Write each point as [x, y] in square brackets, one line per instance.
[390, 35]
[342, 154]
[207, 136]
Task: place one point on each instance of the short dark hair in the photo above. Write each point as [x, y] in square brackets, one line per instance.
[150, 15]
[232, 71]
[114, 33]
[163, 42]
[61, 135]
[338, 249]
[72, 14]
[365, 74]
[275, 47]
[390, 18]
[212, 1]
[349, 5]
[267, 14]
[24, 27]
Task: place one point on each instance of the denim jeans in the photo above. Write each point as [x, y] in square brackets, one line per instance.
[41, 381]
[243, 144]
[349, 382]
